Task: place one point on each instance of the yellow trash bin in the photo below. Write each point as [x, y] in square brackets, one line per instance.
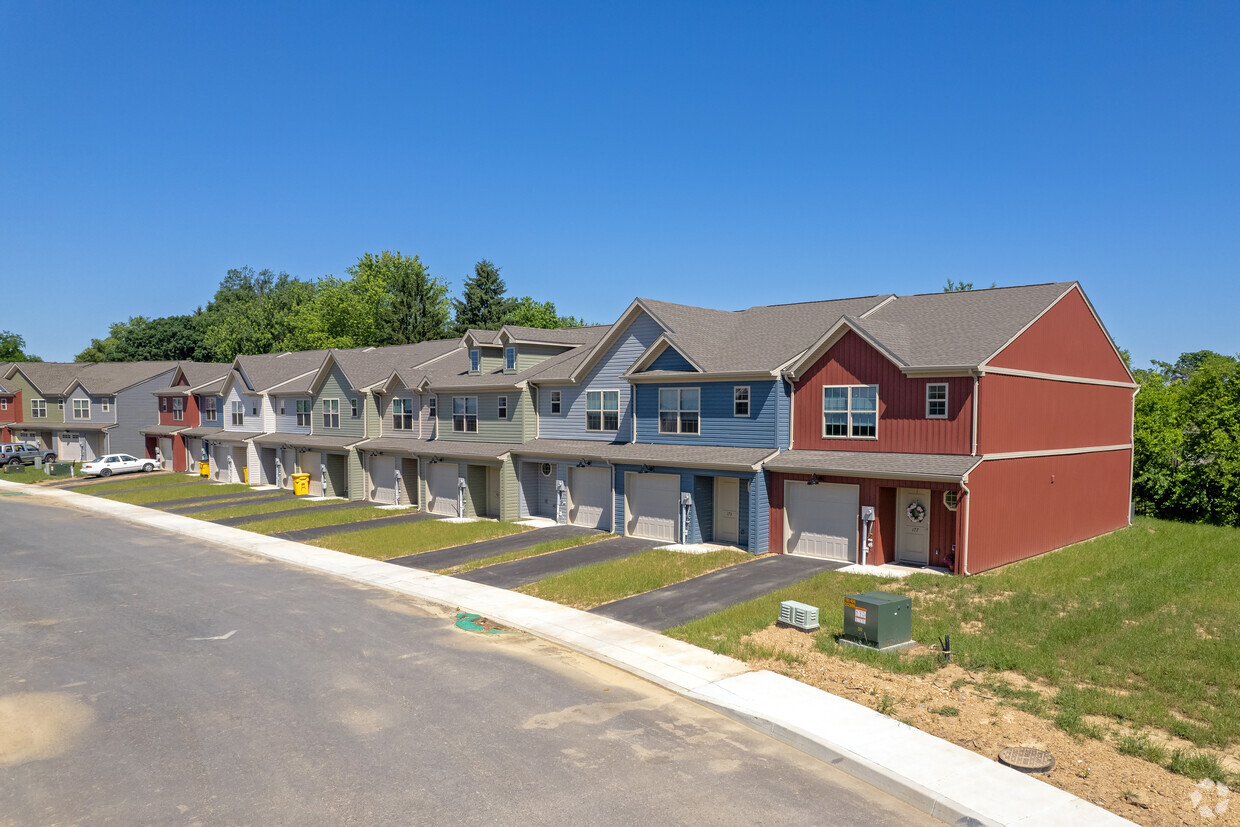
[245, 475]
[301, 484]
[204, 469]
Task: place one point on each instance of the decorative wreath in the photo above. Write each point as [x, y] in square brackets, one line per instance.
[916, 511]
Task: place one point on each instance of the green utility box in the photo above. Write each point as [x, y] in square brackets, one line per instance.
[878, 619]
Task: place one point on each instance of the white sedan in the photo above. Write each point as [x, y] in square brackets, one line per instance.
[116, 464]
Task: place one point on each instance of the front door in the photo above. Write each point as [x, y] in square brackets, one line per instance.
[913, 521]
[493, 503]
[727, 509]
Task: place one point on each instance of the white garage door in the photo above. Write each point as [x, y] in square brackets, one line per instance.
[589, 491]
[651, 503]
[442, 488]
[821, 520]
[70, 447]
[219, 463]
[165, 452]
[383, 480]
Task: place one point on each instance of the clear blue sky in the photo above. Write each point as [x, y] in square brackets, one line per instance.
[714, 154]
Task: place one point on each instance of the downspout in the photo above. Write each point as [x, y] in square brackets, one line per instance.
[976, 388]
[968, 516]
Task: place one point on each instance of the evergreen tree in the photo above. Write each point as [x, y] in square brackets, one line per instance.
[482, 305]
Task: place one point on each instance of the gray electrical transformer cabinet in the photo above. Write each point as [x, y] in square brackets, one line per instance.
[878, 619]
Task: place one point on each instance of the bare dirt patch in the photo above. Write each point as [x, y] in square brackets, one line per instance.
[955, 705]
[39, 725]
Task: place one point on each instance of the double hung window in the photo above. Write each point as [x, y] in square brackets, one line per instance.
[602, 410]
[465, 414]
[238, 413]
[178, 410]
[303, 413]
[38, 409]
[81, 409]
[331, 413]
[850, 411]
[679, 410]
[510, 359]
[353, 408]
[555, 402]
[502, 407]
[402, 414]
[475, 361]
[740, 401]
[209, 409]
[936, 400]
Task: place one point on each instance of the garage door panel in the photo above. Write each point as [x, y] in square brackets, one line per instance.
[441, 485]
[383, 480]
[589, 493]
[822, 520]
[652, 505]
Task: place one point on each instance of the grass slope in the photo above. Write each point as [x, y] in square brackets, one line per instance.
[243, 510]
[1137, 628]
[600, 583]
[522, 553]
[153, 494]
[386, 542]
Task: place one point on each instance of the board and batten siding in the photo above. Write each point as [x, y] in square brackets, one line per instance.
[607, 374]
[717, 424]
[335, 386]
[1019, 413]
[133, 413]
[1068, 341]
[902, 423]
[490, 427]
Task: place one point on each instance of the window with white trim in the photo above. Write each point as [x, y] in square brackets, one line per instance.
[105, 404]
[679, 410]
[602, 410]
[936, 400]
[510, 358]
[331, 413]
[951, 499]
[465, 414]
[60, 404]
[38, 409]
[81, 409]
[740, 401]
[238, 413]
[209, 409]
[4, 404]
[402, 414]
[555, 402]
[502, 408]
[432, 407]
[546, 469]
[178, 409]
[850, 411]
[163, 404]
[353, 408]
[305, 408]
[475, 361]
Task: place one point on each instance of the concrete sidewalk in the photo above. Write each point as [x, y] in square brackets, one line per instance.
[940, 778]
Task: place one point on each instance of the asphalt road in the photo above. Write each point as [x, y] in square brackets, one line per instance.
[147, 679]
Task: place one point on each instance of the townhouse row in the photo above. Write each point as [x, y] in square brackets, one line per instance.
[957, 430]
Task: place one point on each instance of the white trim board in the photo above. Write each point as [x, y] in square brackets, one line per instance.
[1055, 452]
[1057, 377]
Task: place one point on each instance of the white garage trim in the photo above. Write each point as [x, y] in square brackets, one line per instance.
[821, 520]
[382, 473]
[651, 505]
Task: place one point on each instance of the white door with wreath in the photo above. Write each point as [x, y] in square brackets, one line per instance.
[913, 521]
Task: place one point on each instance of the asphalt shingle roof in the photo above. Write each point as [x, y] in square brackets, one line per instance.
[874, 464]
[267, 370]
[640, 453]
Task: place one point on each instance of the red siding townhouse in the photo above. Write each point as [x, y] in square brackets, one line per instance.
[956, 430]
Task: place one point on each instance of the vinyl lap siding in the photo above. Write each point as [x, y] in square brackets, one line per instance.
[530, 355]
[508, 490]
[670, 359]
[475, 491]
[490, 427]
[783, 415]
[717, 424]
[370, 415]
[286, 423]
[335, 387]
[133, 412]
[249, 403]
[700, 484]
[357, 480]
[570, 423]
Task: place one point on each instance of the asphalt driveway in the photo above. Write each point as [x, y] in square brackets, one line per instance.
[519, 572]
[693, 599]
[456, 555]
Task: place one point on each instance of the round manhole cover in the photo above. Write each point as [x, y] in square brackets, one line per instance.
[1027, 759]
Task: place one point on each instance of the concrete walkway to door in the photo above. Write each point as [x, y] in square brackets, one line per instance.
[520, 572]
[456, 555]
[696, 598]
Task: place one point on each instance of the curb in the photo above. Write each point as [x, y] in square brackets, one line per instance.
[937, 777]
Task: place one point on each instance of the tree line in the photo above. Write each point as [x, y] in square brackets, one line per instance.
[387, 299]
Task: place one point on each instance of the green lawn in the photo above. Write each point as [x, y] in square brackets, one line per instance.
[30, 474]
[314, 518]
[522, 553]
[1137, 628]
[153, 494]
[125, 482]
[599, 583]
[386, 542]
[244, 509]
